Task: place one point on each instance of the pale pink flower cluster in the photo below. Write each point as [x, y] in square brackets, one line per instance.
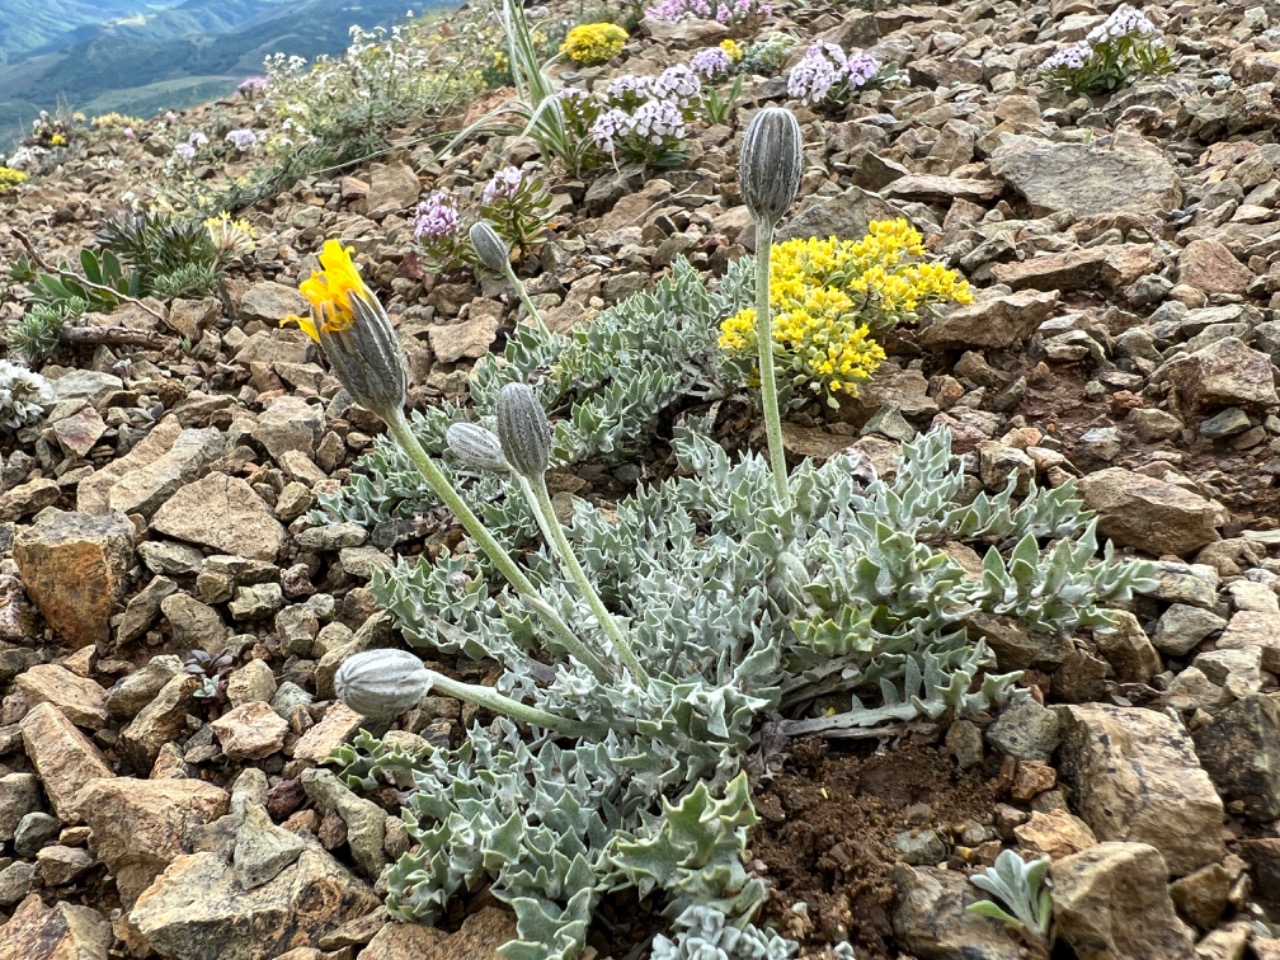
[504, 184]
[825, 68]
[721, 11]
[436, 217]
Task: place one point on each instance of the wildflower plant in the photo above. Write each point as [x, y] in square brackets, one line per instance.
[831, 297]
[766, 57]
[643, 647]
[516, 204]
[1022, 888]
[442, 238]
[11, 178]
[1125, 45]
[726, 12]
[23, 396]
[827, 76]
[594, 43]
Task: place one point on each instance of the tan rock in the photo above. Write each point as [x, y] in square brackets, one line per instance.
[1055, 834]
[161, 721]
[1134, 776]
[224, 513]
[81, 701]
[393, 187]
[63, 931]
[197, 910]
[91, 493]
[1152, 515]
[75, 567]
[1226, 373]
[933, 189]
[1209, 266]
[1251, 628]
[996, 322]
[140, 826]
[63, 756]
[340, 723]
[1111, 902]
[250, 731]
[481, 935]
[468, 339]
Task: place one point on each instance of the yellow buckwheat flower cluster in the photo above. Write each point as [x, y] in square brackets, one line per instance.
[115, 121]
[593, 43]
[10, 178]
[732, 48]
[829, 296]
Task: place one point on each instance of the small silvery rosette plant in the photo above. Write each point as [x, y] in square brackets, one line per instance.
[1124, 46]
[644, 650]
[828, 77]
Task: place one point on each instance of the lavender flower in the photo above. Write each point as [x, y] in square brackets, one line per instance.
[242, 139]
[503, 185]
[1125, 21]
[185, 151]
[436, 217]
[608, 127]
[722, 11]
[171, 118]
[658, 121]
[198, 139]
[1070, 57]
[629, 86]
[678, 83]
[825, 72]
[710, 62]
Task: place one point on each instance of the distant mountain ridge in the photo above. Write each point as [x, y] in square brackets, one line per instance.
[144, 57]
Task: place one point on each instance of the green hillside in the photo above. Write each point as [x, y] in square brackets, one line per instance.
[180, 56]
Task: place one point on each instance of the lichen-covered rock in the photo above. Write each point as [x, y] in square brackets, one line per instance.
[1111, 902]
[64, 758]
[197, 910]
[1134, 776]
[1156, 517]
[932, 922]
[1240, 750]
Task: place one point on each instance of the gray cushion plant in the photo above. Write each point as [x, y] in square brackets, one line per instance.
[644, 648]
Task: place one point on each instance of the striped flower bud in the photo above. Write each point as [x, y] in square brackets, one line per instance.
[524, 430]
[478, 448]
[381, 683]
[770, 164]
[355, 333]
[490, 248]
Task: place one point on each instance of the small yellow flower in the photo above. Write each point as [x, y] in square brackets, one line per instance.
[10, 178]
[329, 290]
[732, 48]
[593, 43]
[57, 140]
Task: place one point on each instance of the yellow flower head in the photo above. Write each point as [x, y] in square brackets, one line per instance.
[732, 48]
[592, 43]
[330, 290]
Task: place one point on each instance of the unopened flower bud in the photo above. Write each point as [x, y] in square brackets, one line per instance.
[478, 448]
[382, 683]
[490, 248]
[524, 430]
[770, 164]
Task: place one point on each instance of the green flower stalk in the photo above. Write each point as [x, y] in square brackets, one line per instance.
[361, 346]
[769, 169]
[525, 434]
[496, 255]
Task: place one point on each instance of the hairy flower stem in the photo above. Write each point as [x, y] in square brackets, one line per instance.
[768, 379]
[493, 701]
[539, 498]
[400, 431]
[523, 294]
